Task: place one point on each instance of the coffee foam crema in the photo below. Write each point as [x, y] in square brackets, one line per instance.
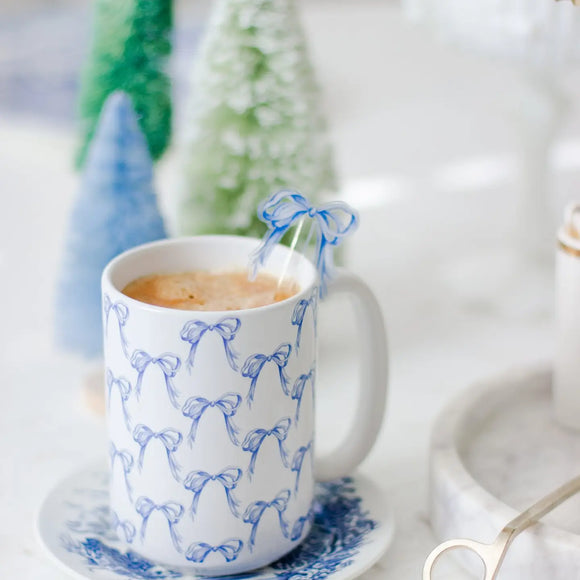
[215, 291]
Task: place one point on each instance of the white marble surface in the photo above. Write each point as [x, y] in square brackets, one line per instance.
[496, 451]
[425, 148]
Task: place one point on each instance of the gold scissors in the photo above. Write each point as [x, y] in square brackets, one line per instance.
[492, 555]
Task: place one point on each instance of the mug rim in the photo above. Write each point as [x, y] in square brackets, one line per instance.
[108, 285]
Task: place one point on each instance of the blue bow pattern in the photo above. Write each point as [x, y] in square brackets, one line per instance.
[124, 387]
[300, 524]
[226, 328]
[228, 404]
[167, 362]
[332, 222]
[254, 439]
[255, 511]
[255, 363]
[300, 312]
[172, 511]
[299, 386]
[228, 478]
[170, 438]
[122, 314]
[127, 462]
[298, 460]
[126, 527]
[199, 551]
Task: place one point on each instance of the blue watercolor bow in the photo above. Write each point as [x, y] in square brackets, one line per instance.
[227, 328]
[127, 462]
[300, 524]
[198, 551]
[172, 512]
[167, 362]
[332, 221]
[254, 439]
[122, 313]
[298, 460]
[229, 478]
[299, 386]
[300, 312]
[228, 404]
[170, 438]
[126, 526]
[255, 363]
[124, 387]
[255, 511]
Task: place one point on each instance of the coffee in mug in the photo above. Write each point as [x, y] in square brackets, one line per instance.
[211, 413]
[201, 290]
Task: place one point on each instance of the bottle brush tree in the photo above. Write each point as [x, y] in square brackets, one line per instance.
[116, 209]
[255, 121]
[130, 48]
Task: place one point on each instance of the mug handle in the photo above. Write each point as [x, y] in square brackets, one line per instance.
[373, 381]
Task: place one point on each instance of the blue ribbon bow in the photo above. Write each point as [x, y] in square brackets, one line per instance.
[298, 389]
[255, 363]
[124, 387]
[300, 312]
[255, 511]
[226, 328]
[332, 222]
[228, 404]
[127, 462]
[298, 460]
[228, 478]
[167, 362]
[254, 439]
[122, 313]
[198, 551]
[126, 527]
[300, 523]
[172, 511]
[170, 438]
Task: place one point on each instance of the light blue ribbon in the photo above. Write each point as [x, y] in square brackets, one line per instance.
[126, 527]
[255, 363]
[226, 328]
[332, 223]
[198, 551]
[228, 404]
[228, 478]
[300, 523]
[300, 312]
[298, 460]
[298, 389]
[255, 511]
[127, 462]
[124, 387]
[170, 438]
[122, 314]
[167, 362]
[172, 511]
[254, 439]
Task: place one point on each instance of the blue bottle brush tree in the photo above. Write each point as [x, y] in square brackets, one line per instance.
[116, 209]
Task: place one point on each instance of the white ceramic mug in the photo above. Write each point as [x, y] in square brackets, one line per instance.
[211, 414]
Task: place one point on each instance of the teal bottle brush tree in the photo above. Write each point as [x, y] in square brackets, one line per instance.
[130, 48]
[255, 122]
[115, 209]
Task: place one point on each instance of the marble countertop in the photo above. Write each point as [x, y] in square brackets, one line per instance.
[425, 152]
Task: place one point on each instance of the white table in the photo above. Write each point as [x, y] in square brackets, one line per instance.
[424, 151]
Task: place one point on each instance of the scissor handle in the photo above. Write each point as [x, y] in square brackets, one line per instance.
[487, 553]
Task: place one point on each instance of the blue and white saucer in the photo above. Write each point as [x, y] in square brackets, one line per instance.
[353, 528]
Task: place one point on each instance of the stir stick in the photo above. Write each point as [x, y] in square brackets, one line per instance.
[291, 254]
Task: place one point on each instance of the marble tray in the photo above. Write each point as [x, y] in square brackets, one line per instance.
[495, 451]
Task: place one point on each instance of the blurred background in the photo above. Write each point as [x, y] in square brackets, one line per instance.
[456, 132]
